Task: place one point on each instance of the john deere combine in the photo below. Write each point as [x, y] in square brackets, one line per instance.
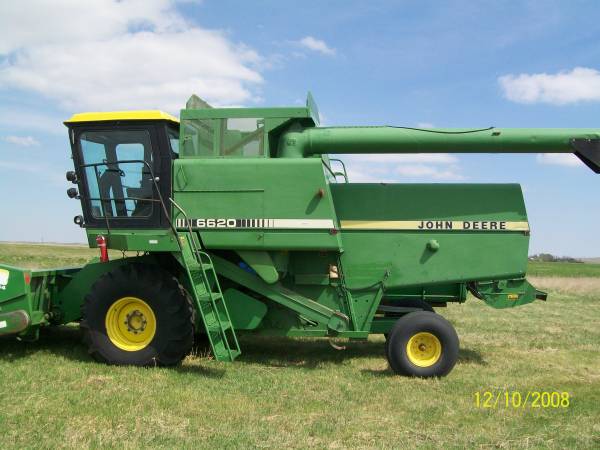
[241, 223]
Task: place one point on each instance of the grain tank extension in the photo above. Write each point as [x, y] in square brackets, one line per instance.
[239, 221]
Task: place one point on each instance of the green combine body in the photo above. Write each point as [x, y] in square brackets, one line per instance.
[241, 223]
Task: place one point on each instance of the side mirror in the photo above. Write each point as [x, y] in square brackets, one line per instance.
[71, 176]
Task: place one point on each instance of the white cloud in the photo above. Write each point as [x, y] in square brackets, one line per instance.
[559, 159]
[23, 141]
[405, 158]
[580, 84]
[421, 167]
[316, 45]
[130, 54]
[425, 125]
[368, 175]
[430, 172]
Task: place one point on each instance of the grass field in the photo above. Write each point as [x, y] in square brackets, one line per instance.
[284, 393]
[43, 256]
[560, 269]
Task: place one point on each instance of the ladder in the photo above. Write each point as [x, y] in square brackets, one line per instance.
[208, 297]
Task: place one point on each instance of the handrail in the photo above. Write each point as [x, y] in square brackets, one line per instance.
[154, 180]
[335, 174]
[189, 226]
[345, 173]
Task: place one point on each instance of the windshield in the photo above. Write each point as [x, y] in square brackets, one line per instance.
[117, 188]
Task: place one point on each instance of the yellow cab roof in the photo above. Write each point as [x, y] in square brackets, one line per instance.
[121, 115]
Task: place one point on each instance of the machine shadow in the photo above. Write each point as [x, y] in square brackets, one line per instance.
[307, 353]
[281, 352]
[469, 356]
[465, 356]
[65, 341]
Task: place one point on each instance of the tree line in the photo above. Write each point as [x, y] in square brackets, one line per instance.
[547, 257]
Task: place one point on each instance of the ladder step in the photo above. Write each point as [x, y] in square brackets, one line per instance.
[215, 327]
[206, 297]
[197, 277]
[223, 353]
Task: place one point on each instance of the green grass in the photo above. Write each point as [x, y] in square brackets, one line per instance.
[560, 269]
[304, 394]
[45, 256]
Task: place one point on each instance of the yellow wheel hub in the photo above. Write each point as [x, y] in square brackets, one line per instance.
[424, 349]
[130, 324]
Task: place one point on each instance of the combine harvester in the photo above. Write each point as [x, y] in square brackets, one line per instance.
[241, 225]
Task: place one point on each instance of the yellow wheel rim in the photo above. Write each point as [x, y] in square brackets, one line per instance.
[130, 324]
[424, 349]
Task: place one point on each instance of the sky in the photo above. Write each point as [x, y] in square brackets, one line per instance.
[409, 63]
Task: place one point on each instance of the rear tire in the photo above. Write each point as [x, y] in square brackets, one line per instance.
[138, 315]
[422, 344]
[408, 303]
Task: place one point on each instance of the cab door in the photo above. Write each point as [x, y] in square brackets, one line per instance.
[122, 168]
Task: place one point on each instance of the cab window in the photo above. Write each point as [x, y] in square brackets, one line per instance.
[225, 138]
[242, 137]
[119, 183]
[173, 136]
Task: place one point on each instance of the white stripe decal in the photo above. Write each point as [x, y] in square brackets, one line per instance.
[290, 224]
[303, 223]
[328, 224]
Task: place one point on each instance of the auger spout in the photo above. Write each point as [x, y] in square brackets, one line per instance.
[584, 142]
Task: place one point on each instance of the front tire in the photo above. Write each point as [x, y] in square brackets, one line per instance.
[138, 315]
[422, 344]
